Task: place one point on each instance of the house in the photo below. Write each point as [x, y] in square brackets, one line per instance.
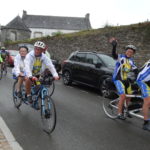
[32, 26]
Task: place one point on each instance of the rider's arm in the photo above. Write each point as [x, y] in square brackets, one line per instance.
[114, 53]
[16, 65]
[50, 66]
[28, 64]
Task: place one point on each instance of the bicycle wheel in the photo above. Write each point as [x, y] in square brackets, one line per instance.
[17, 101]
[51, 89]
[1, 72]
[110, 107]
[48, 115]
[5, 69]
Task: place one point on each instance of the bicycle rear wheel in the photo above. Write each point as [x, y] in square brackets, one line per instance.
[48, 115]
[5, 69]
[110, 107]
[1, 72]
[17, 101]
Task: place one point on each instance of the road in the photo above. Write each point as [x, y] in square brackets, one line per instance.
[81, 122]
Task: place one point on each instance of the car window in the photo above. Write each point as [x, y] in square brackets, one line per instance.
[92, 59]
[80, 57]
[109, 61]
[72, 57]
[13, 53]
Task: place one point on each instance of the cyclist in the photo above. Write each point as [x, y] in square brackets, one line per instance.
[19, 68]
[4, 54]
[35, 63]
[45, 51]
[123, 66]
[143, 81]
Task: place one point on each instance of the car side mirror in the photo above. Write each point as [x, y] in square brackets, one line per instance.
[98, 65]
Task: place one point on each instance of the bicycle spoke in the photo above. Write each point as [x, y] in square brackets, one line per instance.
[110, 108]
[48, 115]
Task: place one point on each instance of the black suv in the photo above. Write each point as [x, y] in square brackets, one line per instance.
[90, 68]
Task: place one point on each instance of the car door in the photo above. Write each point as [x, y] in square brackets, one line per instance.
[78, 68]
[93, 69]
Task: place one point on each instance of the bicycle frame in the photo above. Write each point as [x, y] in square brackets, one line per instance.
[131, 112]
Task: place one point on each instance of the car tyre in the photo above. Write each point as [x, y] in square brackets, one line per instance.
[67, 78]
[106, 91]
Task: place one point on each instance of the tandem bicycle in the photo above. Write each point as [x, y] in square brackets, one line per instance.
[41, 101]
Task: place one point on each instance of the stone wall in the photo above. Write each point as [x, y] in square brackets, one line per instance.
[60, 47]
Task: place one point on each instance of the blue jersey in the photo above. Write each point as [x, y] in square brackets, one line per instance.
[123, 66]
[4, 54]
[144, 74]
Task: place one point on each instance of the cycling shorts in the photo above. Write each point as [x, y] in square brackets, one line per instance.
[121, 88]
[145, 89]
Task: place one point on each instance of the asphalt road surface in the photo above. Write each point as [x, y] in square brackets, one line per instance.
[81, 122]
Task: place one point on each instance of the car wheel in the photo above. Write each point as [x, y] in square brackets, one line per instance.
[106, 90]
[67, 78]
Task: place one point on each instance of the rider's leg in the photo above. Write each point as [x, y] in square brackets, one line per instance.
[146, 107]
[28, 84]
[19, 83]
[145, 89]
[122, 97]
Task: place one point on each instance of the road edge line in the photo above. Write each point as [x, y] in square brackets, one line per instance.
[9, 136]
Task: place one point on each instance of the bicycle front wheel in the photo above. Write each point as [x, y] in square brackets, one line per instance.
[17, 101]
[110, 107]
[51, 89]
[48, 114]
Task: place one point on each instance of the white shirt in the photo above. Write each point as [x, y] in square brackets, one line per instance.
[30, 59]
[19, 65]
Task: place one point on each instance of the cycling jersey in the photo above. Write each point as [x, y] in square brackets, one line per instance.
[4, 54]
[19, 65]
[143, 79]
[123, 66]
[1, 59]
[144, 74]
[36, 65]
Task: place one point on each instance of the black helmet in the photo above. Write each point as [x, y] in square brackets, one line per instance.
[131, 47]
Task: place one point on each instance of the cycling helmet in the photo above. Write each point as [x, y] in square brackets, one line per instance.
[40, 44]
[3, 48]
[131, 47]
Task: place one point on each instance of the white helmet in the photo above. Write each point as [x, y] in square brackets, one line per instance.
[40, 44]
[131, 47]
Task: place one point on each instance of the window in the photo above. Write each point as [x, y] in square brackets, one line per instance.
[38, 34]
[80, 57]
[92, 59]
[13, 36]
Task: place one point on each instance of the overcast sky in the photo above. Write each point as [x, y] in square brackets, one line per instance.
[102, 12]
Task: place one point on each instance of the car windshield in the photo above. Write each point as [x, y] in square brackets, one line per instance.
[13, 53]
[109, 61]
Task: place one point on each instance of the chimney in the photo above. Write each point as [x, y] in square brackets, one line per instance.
[24, 13]
[87, 18]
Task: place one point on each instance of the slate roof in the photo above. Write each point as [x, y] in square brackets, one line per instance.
[18, 24]
[56, 22]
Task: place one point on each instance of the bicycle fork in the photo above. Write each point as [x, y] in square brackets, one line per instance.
[45, 110]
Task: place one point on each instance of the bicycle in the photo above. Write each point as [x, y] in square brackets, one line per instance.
[3, 69]
[40, 98]
[110, 107]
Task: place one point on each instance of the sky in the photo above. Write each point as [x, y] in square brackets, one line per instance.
[102, 12]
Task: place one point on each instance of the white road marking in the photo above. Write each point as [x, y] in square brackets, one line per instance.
[10, 138]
